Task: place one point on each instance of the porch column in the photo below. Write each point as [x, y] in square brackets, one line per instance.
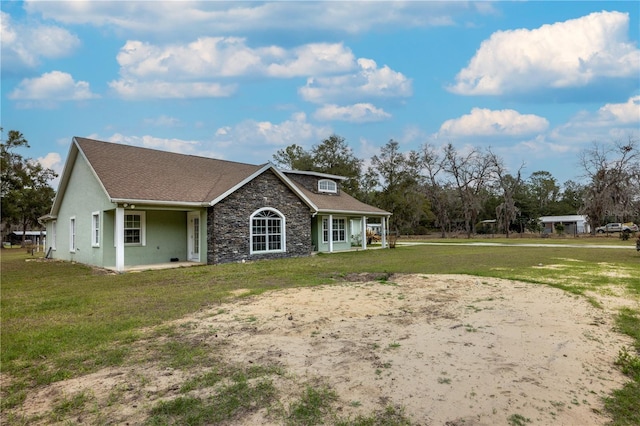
[364, 232]
[330, 233]
[383, 227]
[119, 239]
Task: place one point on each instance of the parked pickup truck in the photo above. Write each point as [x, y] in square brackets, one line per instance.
[617, 227]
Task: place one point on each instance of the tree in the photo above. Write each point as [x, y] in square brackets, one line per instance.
[471, 173]
[508, 186]
[293, 157]
[400, 182]
[332, 156]
[26, 193]
[544, 192]
[613, 174]
[436, 190]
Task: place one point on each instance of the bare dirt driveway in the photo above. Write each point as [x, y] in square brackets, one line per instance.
[450, 349]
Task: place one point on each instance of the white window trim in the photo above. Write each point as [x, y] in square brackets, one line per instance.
[72, 234]
[283, 233]
[53, 236]
[333, 187]
[344, 219]
[143, 229]
[96, 222]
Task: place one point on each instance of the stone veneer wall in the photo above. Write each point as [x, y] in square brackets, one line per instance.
[228, 233]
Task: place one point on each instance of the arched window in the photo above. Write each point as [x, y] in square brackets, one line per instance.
[326, 185]
[267, 231]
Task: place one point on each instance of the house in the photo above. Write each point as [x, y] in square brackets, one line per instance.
[120, 206]
[573, 224]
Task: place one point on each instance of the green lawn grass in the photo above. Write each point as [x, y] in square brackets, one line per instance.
[62, 320]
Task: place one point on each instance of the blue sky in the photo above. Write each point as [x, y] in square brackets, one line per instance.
[537, 82]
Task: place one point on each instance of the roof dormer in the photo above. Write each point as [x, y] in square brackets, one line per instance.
[327, 185]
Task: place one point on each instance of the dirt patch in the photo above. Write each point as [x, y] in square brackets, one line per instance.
[449, 349]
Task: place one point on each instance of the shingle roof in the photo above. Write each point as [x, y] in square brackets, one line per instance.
[133, 173]
[339, 203]
[142, 174]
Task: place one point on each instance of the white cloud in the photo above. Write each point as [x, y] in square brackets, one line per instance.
[133, 89]
[163, 121]
[164, 144]
[186, 18]
[52, 161]
[369, 82]
[295, 130]
[566, 54]
[54, 86]
[485, 122]
[23, 46]
[610, 122]
[186, 71]
[314, 58]
[358, 113]
[624, 113]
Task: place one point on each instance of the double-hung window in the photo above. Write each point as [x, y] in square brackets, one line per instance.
[72, 234]
[134, 228]
[267, 231]
[53, 236]
[339, 228]
[95, 229]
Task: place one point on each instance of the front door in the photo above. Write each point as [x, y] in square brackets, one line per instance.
[194, 236]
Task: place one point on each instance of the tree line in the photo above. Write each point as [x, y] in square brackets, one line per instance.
[25, 185]
[452, 190]
[433, 188]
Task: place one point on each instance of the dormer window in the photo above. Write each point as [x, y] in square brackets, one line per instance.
[326, 185]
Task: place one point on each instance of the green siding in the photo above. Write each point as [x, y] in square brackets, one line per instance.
[165, 230]
[82, 197]
[317, 235]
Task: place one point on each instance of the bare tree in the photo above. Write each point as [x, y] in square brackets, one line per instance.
[613, 174]
[471, 173]
[436, 189]
[508, 186]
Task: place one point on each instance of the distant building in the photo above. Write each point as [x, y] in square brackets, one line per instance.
[573, 224]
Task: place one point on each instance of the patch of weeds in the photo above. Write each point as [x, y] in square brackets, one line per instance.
[518, 420]
[444, 380]
[231, 401]
[622, 405]
[390, 416]
[13, 395]
[69, 405]
[252, 319]
[375, 346]
[394, 345]
[629, 364]
[313, 407]
[470, 328]
[355, 404]
[116, 394]
[183, 354]
[628, 322]
[474, 308]
[205, 380]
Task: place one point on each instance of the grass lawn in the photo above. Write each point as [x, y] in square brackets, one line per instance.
[63, 320]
